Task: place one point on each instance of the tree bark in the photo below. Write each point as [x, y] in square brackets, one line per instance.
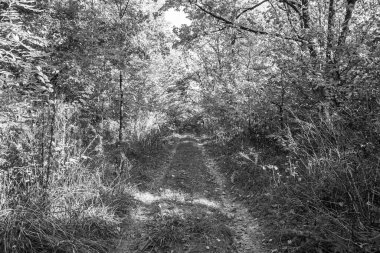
[305, 23]
[304, 14]
[282, 116]
[49, 161]
[331, 67]
[42, 163]
[330, 32]
[121, 109]
[345, 29]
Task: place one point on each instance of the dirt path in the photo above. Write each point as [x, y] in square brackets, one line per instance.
[188, 210]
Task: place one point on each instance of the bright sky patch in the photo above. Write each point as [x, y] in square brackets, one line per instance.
[176, 18]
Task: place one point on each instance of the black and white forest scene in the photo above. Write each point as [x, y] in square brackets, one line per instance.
[189, 126]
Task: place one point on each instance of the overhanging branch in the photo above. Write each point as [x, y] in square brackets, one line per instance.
[295, 6]
[250, 8]
[244, 28]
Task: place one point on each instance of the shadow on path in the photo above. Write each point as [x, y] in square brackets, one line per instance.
[187, 210]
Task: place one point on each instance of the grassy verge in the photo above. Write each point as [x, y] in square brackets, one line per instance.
[314, 189]
[81, 217]
[85, 208]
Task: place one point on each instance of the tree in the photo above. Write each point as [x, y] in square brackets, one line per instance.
[300, 26]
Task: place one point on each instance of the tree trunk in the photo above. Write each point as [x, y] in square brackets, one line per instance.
[305, 23]
[331, 67]
[330, 33]
[281, 109]
[42, 161]
[121, 109]
[345, 29]
[49, 161]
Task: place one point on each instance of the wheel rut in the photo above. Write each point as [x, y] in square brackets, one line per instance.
[188, 210]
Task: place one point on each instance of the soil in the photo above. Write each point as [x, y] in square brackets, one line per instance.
[187, 207]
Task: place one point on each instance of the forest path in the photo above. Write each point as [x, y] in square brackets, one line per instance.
[187, 209]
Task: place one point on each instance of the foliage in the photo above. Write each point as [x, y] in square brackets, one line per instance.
[86, 87]
[74, 219]
[59, 80]
[287, 87]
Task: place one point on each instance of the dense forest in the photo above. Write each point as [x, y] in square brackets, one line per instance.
[271, 105]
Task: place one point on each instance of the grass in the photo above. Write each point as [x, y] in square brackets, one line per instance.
[188, 231]
[29, 230]
[169, 219]
[82, 210]
[81, 217]
[314, 186]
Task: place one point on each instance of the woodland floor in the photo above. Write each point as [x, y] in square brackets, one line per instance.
[182, 205]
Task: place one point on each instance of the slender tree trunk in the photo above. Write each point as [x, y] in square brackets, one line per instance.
[42, 161]
[49, 161]
[345, 29]
[249, 112]
[282, 117]
[102, 128]
[121, 109]
[330, 33]
[305, 23]
[122, 156]
[331, 67]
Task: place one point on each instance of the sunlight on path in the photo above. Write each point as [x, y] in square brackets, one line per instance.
[187, 209]
[149, 198]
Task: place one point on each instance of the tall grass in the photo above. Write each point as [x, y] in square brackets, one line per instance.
[317, 181]
[81, 205]
[74, 214]
[75, 211]
[332, 174]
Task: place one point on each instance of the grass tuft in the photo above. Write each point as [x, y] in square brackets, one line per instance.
[173, 232]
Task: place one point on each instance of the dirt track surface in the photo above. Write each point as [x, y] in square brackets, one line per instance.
[187, 209]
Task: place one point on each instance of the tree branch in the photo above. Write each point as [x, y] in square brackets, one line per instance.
[295, 6]
[124, 11]
[250, 8]
[288, 12]
[244, 28]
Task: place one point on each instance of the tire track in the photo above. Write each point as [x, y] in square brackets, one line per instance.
[247, 231]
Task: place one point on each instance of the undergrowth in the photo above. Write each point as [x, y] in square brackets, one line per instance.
[77, 213]
[315, 184]
[66, 191]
